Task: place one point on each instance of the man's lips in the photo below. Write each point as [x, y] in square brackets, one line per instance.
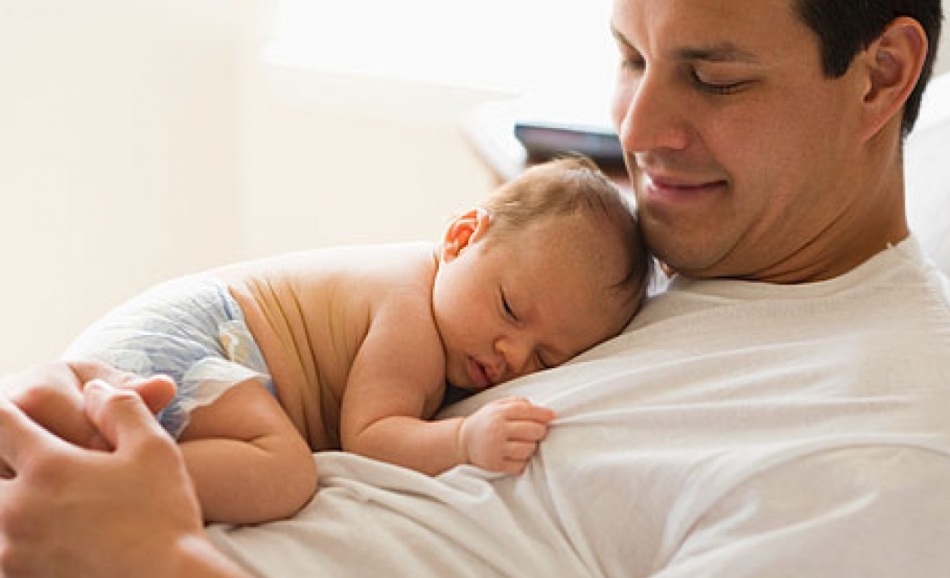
[656, 185]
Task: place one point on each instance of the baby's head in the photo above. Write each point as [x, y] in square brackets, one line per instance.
[549, 265]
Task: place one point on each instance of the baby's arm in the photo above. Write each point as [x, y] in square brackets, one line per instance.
[397, 381]
[248, 462]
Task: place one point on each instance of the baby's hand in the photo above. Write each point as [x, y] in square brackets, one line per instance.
[503, 434]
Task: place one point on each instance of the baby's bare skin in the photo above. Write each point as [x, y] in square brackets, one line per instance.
[310, 313]
[360, 342]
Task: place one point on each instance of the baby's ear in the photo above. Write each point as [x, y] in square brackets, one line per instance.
[462, 231]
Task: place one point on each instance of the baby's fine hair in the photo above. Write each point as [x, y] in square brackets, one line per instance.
[563, 187]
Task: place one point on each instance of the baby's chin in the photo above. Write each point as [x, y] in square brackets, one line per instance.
[456, 375]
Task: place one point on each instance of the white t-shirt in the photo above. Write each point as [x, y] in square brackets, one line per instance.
[736, 429]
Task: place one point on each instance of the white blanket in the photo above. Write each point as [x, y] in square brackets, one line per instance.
[735, 430]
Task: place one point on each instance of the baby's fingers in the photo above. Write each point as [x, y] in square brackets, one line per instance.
[519, 408]
[513, 467]
[527, 431]
[520, 451]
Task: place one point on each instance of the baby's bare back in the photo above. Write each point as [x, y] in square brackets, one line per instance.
[310, 312]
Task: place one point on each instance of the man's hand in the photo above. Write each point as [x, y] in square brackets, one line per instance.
[72, 511]
[51, 395]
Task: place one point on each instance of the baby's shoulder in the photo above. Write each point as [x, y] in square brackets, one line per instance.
[393, 272]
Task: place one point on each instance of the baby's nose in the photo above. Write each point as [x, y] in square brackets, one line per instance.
[514, 357]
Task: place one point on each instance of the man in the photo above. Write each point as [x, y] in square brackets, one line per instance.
[782, 410]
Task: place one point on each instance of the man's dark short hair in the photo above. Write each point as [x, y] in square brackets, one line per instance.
[846, 27]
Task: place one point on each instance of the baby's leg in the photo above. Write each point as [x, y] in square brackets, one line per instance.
[248, 461]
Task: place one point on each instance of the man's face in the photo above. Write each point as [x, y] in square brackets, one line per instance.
[743, 156]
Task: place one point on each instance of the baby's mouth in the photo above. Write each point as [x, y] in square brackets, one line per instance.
[478, 372]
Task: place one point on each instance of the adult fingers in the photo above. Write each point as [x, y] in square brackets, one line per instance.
[21, 437]
[87, 371]
[56, 407]
[157, 391]
[120, 415]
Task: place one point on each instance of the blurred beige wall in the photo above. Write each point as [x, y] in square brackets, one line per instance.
[145, 139]
[141, 140]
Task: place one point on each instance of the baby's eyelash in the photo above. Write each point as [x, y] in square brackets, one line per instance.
[509, 312]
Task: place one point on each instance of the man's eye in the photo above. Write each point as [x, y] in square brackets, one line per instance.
[717, 87]
[633, 63]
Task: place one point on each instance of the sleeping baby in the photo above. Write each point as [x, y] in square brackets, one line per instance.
[352, 347]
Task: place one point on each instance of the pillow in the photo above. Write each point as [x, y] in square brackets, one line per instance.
[927, 172]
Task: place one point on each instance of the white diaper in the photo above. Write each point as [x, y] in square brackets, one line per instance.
[190, 329]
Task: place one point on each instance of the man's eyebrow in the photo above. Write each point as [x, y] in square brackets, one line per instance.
[724, 52]
[618, 36]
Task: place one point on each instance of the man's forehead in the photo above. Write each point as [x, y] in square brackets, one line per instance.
[725, 31]
[712, 51]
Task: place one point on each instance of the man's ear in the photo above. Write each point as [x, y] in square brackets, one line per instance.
[462, 231]
[893, 62]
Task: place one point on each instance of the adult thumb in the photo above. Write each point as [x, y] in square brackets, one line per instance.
[156, 391]
[119, 415]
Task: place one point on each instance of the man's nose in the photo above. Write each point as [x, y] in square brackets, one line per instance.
[649, 114]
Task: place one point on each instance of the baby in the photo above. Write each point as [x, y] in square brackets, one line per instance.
[352, 347]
